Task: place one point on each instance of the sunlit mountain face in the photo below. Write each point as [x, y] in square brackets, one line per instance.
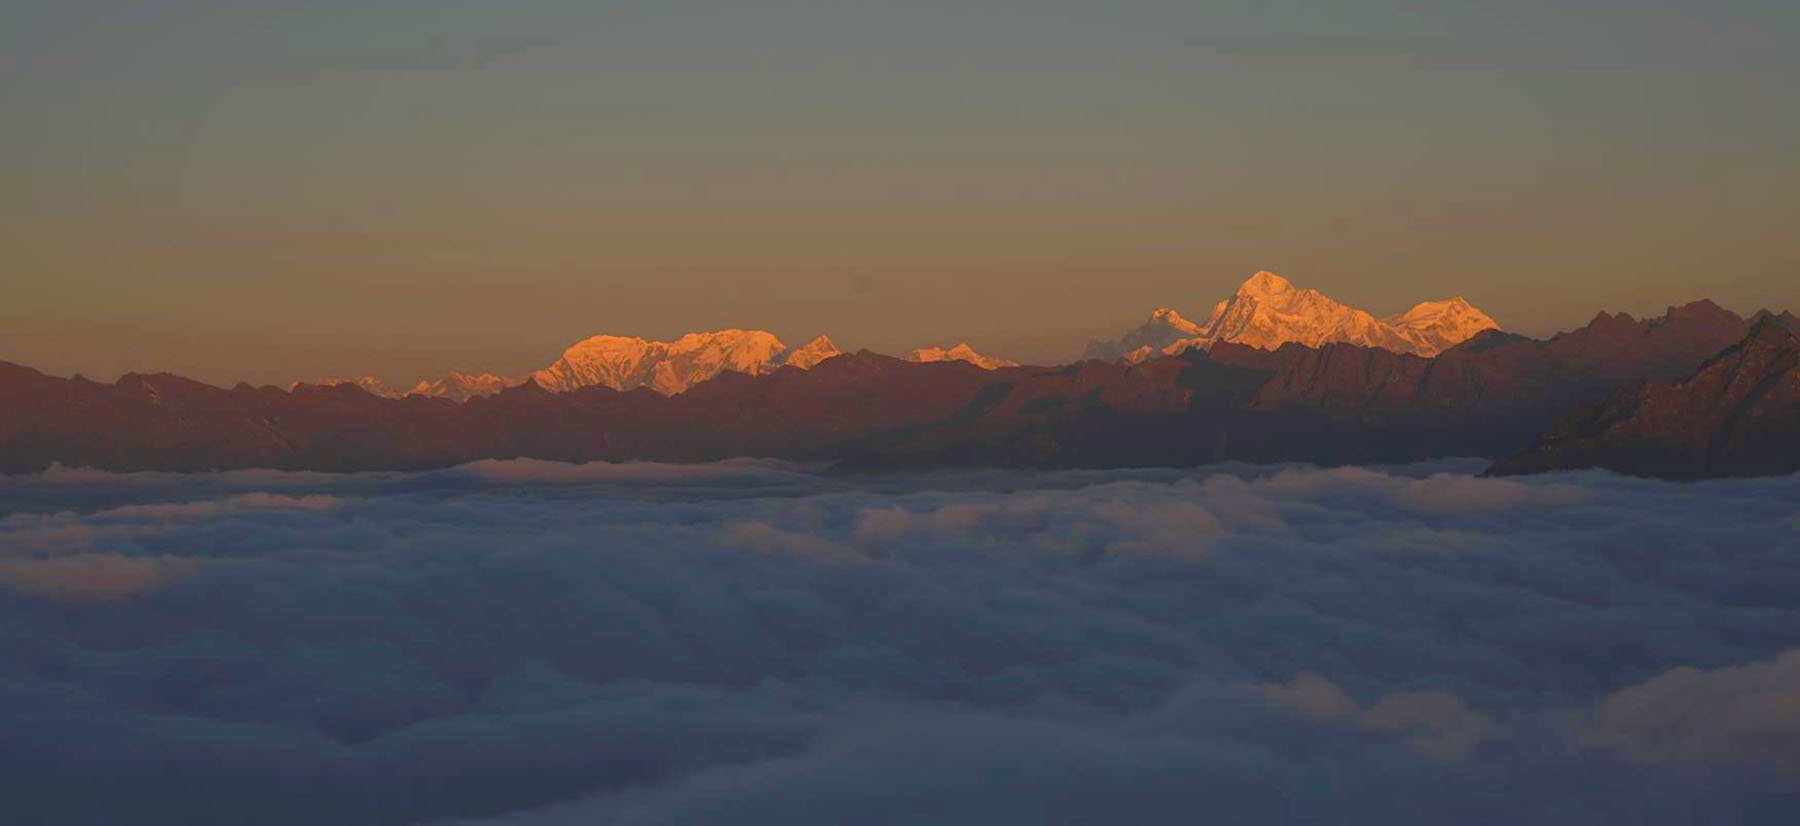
[1268, 311]
[524, 642]
[627, 363]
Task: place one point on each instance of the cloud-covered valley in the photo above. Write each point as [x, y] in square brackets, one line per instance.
[527, 642]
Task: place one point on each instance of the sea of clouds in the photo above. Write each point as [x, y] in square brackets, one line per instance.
[523, 643]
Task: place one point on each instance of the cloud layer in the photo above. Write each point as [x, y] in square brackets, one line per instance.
[533, 643]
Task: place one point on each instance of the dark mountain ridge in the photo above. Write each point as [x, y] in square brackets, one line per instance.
[1738, 414]
[1489, 396]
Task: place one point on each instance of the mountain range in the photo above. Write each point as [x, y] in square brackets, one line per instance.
[1567, 401]
[667, 367]
[1266, 312]
[626, 362]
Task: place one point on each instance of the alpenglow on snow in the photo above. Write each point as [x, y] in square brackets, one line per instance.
[1269, 311]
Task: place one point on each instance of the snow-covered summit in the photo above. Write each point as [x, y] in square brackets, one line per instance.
[370, 384]
[461, 387]
[668, 367]
[1442, 324]
[1165, 327]
[808, 355]
[1268, 286]
[627, 363]
[961, 352]
[1268, 311]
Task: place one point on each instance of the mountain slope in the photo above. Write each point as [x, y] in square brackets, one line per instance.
[1268, 311]
[1494, 393]
[1737, 415]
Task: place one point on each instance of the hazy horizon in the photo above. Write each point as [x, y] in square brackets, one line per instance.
[267, 192]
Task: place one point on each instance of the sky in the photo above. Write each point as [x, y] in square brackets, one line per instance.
[524, 643]
[267, 191]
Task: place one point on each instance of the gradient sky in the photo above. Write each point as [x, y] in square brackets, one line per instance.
[264, 191]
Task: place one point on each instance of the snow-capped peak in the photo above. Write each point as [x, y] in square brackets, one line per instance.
[629, 362]
[668, 367]
[810, 354]
[1268, 311]
[1436, 326]
[961, 352]
[461, 387]
[1426, 313]
[1266, 285]
[1165, 327]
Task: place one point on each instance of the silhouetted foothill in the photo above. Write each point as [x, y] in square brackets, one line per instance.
[1737, 415]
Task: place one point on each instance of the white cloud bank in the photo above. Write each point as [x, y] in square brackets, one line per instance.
[532, 643]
